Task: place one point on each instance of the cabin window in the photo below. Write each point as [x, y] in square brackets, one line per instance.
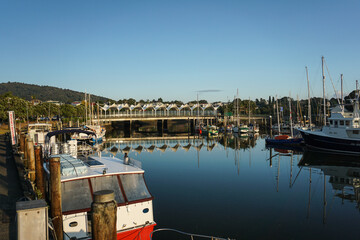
[347, 123]
[336, 123]
[355, 131]
[75, 195]
[134, 186]
[341, 122]
[331, 122]
[108, 183]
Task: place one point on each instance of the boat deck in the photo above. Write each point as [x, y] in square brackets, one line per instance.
[77, 168]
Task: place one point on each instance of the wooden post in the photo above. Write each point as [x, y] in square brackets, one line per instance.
[26, 152]
[103, 220]
[22, 143]
[39, 171]
[56, 211]
[31, 160]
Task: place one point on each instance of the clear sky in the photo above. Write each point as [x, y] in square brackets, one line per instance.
[172, 49]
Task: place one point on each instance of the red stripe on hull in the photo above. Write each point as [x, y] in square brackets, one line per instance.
[142, 233]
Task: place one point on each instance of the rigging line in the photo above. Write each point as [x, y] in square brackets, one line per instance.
[185, 233]
[297, 176]
[332, 83]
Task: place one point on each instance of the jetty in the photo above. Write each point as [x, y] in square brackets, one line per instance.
[10, 189]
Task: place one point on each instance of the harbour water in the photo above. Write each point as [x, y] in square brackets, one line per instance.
[231, 187]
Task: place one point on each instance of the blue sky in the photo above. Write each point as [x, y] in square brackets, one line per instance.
[172, 49]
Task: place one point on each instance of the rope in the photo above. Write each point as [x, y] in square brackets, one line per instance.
[185, 233]
[332, 83]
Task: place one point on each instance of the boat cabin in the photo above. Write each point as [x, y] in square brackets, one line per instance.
[80, 178]
[343, 124]
[38, 131]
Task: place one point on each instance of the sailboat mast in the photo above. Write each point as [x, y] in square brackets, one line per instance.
[85, 109]
[291, 128]
[309, 104]
[342, 93]
[323, 74]
[237, 105]
[277, 114]
[249, 110]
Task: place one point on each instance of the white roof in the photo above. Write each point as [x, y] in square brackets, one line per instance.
[74, 168]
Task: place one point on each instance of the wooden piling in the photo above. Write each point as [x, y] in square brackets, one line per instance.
[22, 143]
[56, 211]
[26, 152]
[31, 160]
[103, 211]
[39, 171]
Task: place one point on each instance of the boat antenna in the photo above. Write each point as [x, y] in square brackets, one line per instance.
[323, 80]
[309, 104]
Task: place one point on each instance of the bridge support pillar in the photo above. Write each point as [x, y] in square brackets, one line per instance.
[130, 130]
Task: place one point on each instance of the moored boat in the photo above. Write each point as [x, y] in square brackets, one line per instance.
[81, 177]
[341, 134]
[38, 131]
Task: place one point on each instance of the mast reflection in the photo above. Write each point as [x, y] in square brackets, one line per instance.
[343, 172]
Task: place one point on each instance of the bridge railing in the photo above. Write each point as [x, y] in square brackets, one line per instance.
[148, 114]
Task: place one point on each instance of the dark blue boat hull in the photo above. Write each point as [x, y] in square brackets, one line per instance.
[291, 141]
[330, 143]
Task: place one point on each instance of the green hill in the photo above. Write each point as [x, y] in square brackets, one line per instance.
[44, 93]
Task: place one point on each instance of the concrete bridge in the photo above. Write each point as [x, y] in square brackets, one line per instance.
[153, 112]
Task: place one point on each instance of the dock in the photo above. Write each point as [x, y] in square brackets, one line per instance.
[10, 190]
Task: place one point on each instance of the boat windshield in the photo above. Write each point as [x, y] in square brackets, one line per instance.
[76, 194]
[134, 186]
[106, 183]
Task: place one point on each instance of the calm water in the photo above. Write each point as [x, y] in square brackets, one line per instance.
[222, 191]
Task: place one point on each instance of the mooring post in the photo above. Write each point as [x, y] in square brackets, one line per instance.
[56, 211]
[26, 152]
[103, 219]
[31, 160]
[39, 171]
[22, 143]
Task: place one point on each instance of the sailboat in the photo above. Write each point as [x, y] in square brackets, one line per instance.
[283, 140]
[253, 128]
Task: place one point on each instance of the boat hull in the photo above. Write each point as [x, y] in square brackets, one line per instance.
[332, 144]
[289, 141]
[142, 233]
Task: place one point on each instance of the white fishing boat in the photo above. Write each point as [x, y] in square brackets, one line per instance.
[81, 177]
[38, 131]
[98, 137]
[341, 133]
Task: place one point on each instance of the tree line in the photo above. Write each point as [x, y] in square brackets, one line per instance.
[25, 110]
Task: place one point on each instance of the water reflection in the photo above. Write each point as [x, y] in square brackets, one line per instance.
[138, 145]
[343, 174]
[257, 192]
